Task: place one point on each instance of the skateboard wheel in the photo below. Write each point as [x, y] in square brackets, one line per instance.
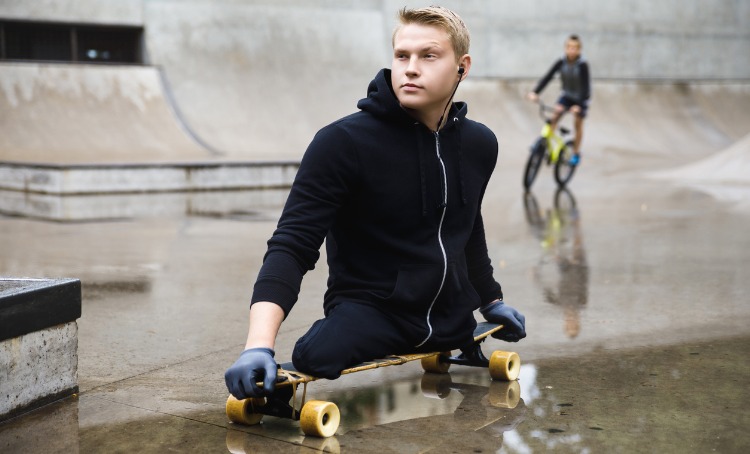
[319, 418]
[244, 411]
[504, 365]
[435, 365]
[505, 394]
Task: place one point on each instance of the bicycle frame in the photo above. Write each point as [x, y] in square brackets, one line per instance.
[552, 147]
[555, 142]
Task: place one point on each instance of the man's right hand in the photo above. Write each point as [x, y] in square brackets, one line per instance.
[254, 365]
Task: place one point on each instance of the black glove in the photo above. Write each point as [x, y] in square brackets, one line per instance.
[254, 365]
[514, 323]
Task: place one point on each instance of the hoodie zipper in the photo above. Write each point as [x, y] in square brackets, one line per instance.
[444, 207]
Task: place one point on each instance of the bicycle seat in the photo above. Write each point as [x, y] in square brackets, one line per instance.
[564, 130]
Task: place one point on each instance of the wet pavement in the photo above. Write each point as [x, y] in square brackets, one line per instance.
[635, 293]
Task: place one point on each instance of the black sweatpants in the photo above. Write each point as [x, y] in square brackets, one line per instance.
[349, 335]
[353, 333]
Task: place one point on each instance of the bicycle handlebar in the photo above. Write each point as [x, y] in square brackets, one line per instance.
[544, 108]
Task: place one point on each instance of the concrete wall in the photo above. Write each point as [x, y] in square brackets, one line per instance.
[250, 77]
[256, 79]
[672, 39]
[666, 39]
[683, 39]
[121, 12]
[261, 77]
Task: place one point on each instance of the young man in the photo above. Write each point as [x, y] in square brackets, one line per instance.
[395, 190]
[576, 86]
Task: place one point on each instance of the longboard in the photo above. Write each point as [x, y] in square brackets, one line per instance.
[321, 419]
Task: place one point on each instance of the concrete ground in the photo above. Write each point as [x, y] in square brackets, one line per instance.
[635, 292]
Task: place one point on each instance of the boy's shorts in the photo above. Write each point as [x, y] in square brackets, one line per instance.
[568, 103]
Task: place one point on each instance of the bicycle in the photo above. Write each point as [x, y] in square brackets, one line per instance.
[552, 148]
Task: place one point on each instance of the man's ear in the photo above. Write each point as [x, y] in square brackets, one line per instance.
[465, 63]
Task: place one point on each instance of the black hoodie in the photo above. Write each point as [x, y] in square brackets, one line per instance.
[399, 208]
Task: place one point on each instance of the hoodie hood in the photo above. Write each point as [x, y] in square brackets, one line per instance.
[382, 102]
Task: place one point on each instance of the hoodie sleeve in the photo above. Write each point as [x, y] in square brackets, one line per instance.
[547, 77]
[585, 81]
[478, 261]
[480, 266]
[326, 175]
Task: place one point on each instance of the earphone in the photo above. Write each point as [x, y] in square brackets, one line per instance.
[460, 76]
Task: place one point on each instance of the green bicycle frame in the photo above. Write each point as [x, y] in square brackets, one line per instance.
[555, 143]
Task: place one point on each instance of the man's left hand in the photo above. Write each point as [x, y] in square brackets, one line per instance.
[514, 323]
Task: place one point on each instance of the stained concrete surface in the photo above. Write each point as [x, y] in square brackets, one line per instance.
[635, 292]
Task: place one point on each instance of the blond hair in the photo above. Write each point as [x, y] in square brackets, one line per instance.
[437, 16]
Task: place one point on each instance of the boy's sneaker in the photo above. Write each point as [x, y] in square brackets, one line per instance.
[575, 160]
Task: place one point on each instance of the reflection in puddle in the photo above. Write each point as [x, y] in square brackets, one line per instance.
[562, 271]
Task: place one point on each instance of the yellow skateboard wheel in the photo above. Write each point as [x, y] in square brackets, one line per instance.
[434, 365]
[243, 411]
[504, 365]
[319, 418]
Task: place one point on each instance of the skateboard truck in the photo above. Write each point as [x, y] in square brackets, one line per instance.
[278, 404]
[471, 356]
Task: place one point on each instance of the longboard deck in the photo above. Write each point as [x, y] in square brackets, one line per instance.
[288, 375]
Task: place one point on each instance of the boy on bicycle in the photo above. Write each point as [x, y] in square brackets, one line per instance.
[395, 190]
[576, 90]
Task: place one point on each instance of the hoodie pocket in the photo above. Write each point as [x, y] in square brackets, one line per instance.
[459, 288]
[416, 286]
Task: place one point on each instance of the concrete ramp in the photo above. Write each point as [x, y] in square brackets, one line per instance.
[57, 113]
[627, 122]
[730, 166]
[257, 79]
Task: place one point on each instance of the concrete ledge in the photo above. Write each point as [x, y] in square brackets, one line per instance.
[250, 204]
[28, 305]
[38, 368]
[38, 342]
[140, 178]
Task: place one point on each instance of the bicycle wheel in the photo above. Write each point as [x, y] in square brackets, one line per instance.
[534, 162]
[563, 170]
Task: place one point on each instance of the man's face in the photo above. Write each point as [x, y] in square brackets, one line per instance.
[424, 71]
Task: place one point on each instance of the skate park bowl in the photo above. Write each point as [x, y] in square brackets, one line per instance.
[158, 184]
[252, 82]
